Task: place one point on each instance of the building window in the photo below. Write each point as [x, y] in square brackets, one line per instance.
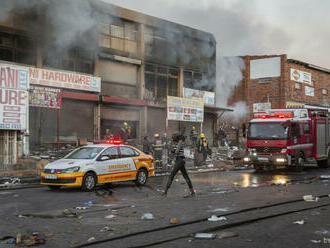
[120, 35]
[324, 91]
[160, 82]
[76, 59]
[297, 86]
[197, 80]
[16, 48]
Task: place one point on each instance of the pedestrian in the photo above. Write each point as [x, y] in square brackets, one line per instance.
[222, 136]
[244, 130]
[146, 145]
[157, 150]
[203, 146]
[179, 160]
[125, 132]
[193, 137]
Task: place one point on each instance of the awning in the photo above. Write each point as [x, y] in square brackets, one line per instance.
[215, 109]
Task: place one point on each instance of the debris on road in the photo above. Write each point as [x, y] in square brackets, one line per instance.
[81, 208]
[225, 235]
[216, 218]
[219, 210]
[299, 222]
[9, 181]
[89, 203]
[324, 177]
[91, 239]
[106, 229]
[205, 236]
[174, 221]
[111, 216]
[316, 241]
[322, 232]
[310, 198]
[147, 216]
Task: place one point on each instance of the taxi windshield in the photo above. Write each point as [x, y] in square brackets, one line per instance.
[85, 153]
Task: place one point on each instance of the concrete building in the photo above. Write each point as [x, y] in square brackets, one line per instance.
[275, 81]
[138, 59]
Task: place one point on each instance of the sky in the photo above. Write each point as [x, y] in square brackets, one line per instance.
[299, 28]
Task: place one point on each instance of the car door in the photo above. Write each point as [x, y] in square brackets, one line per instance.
[126, 155]
[104, 167]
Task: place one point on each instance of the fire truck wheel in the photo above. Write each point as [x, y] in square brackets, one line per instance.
[299, 163]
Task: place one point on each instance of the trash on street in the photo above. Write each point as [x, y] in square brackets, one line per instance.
[310, 198]
[91, 239]
[299, 222]
[205, 236]
[111, 216]
[147, 216]
[216, 218]
[225, 235]
[174, 221]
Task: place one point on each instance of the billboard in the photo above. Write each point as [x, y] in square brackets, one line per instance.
[45, 97]
[14, 82]
[185, 109]
[300, 76]
[265, 68]
[261, 107]
[207, 96]
[64, 79]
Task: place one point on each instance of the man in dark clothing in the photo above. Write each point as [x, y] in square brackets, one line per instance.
[146, 145]
[178, 151]
[193, 137]
[157, 150]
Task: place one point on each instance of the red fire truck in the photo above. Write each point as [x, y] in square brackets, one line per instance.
[289, 137]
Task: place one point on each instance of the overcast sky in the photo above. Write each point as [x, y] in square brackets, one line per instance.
[299, 28]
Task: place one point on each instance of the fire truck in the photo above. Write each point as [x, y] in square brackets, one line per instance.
[289, 138]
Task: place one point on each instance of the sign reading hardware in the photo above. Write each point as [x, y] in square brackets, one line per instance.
[185, 109]
[64, 79]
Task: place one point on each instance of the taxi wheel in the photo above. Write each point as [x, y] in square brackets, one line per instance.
[89, 181]
[141, 177]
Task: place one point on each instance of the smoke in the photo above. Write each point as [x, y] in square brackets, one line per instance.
[60, 24]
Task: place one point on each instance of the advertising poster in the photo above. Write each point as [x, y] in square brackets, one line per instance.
[207, 96]
[185, 109]
[45, 97]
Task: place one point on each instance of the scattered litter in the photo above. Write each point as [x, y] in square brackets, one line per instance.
[133, 206]
[310, 198]
[226, 235]
[20, 216]
[299, 222]
[18, 238]
[316, 241]
[325, 177]
[106, 229]
[9, 181]
[11, 241]
[147, 216]
[216, 218]
[219, 210]
[322, 232]
[88, 203]
[210, 165]
[92, 239]
[205, 236]
[81, 208]
[174, 221]
[111, 216]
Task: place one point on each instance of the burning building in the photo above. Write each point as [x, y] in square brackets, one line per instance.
[89, 66]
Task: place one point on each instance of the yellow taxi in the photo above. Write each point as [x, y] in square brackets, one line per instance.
[90, 165]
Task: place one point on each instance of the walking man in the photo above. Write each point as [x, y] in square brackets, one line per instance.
[178, 142]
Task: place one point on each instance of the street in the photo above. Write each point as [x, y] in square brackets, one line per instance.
[260, 210]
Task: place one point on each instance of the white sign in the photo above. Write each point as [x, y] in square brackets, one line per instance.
[185, 109]
[265, 68]
[300, 76]
[261, 107]
[309, 91]
[14, 98]
[207, 96]
[64, 79]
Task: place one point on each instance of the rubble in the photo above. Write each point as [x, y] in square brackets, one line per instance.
[225, 235]
[310, 198]
[9, 181]
[91, 239]
[299, 222]
[174, 221]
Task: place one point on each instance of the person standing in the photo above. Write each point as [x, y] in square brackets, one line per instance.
[157, 150]
[193, 137]
[146, 145]
[179, 160]
[203, 146]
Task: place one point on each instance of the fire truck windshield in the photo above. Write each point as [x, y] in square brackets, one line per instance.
[272, 131]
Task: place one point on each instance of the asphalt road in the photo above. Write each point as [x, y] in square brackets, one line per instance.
[119, 207]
